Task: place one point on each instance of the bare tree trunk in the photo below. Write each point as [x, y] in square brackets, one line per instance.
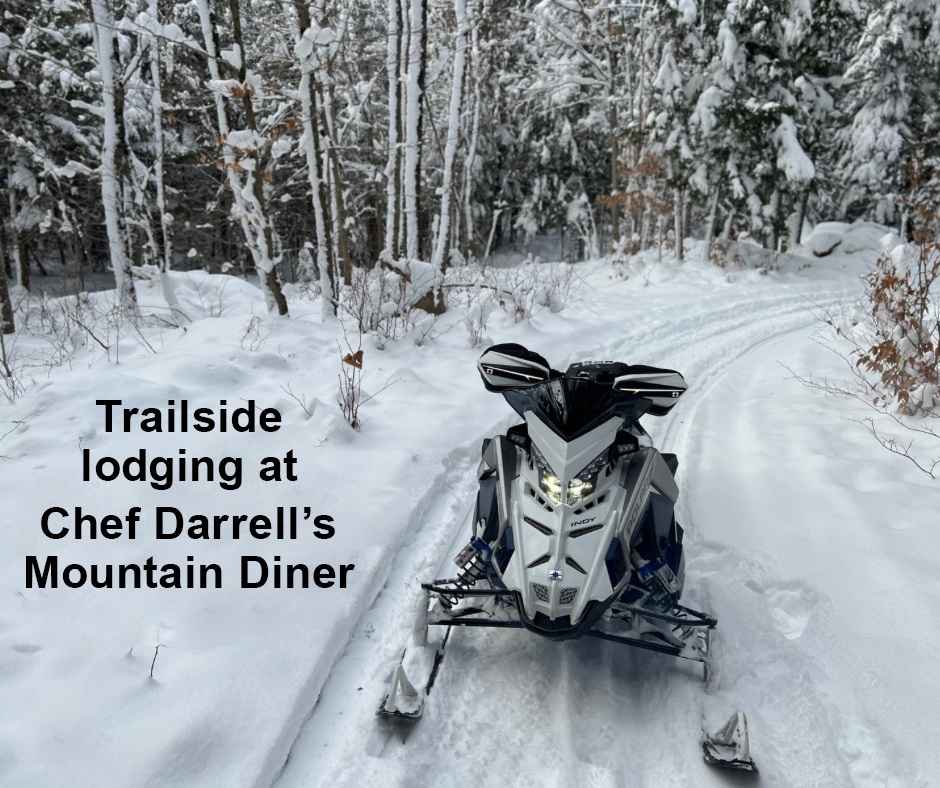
[678, 225]
[771, 237]
[659, 250]
[113, 150]
[469, 231]
[404, 53]
[712, 216]
[7, 324]
[442, 252]
[614, 175]
[392, 166]
[339, 217]
[610, 94]
[414, 128]
[163, 238]
[800, 218]
[335, 188]
[17, 240]
[333, 166]
[422, 210]
[267, 267]
[310, 63]
[249, 201]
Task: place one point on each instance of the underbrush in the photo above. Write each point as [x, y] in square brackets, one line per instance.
[379, 306]
[383, 302]
[53, 333]
[740, 256]
[890, 342]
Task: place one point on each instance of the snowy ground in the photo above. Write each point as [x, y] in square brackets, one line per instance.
[812, 546]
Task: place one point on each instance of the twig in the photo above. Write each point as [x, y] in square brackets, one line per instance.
[892, 445]
[302, 400]
[155, 652]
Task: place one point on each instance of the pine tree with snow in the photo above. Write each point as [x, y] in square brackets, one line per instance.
[890, 150]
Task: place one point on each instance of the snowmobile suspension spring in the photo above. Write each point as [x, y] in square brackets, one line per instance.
[467, 576]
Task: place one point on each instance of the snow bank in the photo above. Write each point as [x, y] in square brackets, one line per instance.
[848, 238]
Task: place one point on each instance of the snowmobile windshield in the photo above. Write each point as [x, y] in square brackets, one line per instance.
[575, 406]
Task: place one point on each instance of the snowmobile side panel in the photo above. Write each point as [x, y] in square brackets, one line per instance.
[663, 478]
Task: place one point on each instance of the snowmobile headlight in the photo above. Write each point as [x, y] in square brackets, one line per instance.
[551, 486]
[577, 489]
[548, 481]
[584, 483]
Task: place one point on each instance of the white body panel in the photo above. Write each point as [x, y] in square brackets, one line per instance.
[558, 565]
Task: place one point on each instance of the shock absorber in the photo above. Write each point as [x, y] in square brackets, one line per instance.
[471, 567]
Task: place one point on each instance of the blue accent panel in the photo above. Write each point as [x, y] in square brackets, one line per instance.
[488, 508]
[503, 553]
[616, 562]
[661, 509]
[673, 551]
[482, 548]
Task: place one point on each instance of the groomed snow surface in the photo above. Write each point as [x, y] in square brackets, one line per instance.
[816, 549]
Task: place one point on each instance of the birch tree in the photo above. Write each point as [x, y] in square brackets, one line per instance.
[114, 154]
[312, 39]
[393, 162]
[413, 124]
[153, 35]
[241, 152]
[442, 252]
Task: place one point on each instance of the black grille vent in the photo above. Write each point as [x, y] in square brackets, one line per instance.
[541, 501]
[586, 530]
[574, 565]
[538, 526]
[591, 504]
[541, 592]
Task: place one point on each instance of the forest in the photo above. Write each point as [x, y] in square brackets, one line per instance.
[302, 142]
[600, 338]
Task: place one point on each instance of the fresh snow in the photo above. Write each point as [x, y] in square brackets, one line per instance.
[812, 545]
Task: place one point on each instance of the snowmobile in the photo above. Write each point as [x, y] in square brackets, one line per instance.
[574, 532]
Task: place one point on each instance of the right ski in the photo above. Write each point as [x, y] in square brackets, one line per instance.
[730, 747]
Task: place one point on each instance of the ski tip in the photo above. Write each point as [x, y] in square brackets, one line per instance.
[734, 763]
[397, 714]
[730, 746]
[403, 701]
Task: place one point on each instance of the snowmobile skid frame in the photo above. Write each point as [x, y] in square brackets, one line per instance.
[449, 593]
[439, 606]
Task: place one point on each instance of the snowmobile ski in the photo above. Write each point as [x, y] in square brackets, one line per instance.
[730, 746]
[422, 659]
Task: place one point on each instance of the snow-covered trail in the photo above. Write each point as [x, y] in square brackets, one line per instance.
[805, 539]
[512, 709]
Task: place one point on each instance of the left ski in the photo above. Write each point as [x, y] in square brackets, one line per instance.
[420, 660]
